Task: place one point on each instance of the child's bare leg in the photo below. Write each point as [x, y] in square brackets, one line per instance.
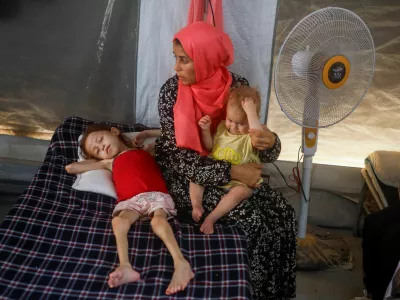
[196, 197]
[183, 272]
[121, 225]
[235, 195]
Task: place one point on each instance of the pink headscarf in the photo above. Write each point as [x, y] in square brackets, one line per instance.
[215, 13]
[211, 51]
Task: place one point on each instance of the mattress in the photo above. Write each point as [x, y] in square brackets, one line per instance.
[57, 242]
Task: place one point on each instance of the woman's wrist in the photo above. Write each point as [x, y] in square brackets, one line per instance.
[235, 172]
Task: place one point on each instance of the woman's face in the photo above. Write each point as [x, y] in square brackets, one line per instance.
[184, 66]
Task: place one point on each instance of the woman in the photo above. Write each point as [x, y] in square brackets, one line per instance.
[201, 87]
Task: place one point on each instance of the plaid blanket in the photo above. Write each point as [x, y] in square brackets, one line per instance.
[57, 243]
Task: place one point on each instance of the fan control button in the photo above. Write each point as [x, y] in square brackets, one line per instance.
[311, 135]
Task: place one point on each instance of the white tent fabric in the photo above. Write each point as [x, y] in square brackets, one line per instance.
[373, 125]
[159, 20]
[250, 25]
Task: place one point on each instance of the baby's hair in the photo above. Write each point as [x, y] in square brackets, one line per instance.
[95, 128]
[240, 93]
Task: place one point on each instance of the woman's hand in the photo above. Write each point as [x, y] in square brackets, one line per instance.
[262, 139]
[138, 140]
[249, 174]
[150, 148]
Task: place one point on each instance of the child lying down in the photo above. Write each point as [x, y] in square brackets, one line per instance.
[106, 147]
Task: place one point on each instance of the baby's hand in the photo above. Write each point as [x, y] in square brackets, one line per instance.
[138, 140]
[249, 105]
[205, 123]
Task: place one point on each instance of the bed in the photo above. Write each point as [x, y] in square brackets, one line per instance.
[57, 242]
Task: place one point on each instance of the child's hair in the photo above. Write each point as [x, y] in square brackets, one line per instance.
[240, 93]
[99, 127]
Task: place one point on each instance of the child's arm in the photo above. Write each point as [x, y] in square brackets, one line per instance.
[206, 137]
[149, 133]
[88, 165]
[249, 106]
[152, 133]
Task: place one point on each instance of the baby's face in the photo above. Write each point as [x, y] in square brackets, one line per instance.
[103, 144]
[236, 122]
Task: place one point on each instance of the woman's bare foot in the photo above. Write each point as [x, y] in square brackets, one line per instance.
[182, 275]
[208, 225]
[123, 274]
[197, 212]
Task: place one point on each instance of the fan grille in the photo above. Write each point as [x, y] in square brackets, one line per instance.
[299, 87]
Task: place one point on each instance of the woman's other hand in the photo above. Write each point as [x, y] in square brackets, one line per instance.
[262, 139]
[249, 174]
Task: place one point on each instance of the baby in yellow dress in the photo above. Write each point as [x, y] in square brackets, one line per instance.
[231, 143]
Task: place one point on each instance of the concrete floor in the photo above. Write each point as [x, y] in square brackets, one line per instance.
[336, 284]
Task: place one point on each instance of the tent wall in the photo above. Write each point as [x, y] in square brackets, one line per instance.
[374, 125]
[78, 57]
[61, 58]
[160, 19]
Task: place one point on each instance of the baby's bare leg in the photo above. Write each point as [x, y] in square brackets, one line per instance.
[183, 272]
[196, 192]
[121, 225]
[235, 195]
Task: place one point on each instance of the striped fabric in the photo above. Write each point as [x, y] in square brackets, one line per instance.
[57, 243]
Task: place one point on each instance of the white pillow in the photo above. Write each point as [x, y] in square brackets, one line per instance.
[100, 181]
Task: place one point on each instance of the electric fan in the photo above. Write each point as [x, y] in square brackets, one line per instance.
[324, 69]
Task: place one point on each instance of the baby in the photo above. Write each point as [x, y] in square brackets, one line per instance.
[232, 143]
[107, 148]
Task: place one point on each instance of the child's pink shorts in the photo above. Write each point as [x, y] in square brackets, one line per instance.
[146, 204]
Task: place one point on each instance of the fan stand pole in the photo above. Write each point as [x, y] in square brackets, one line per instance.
[306, 180]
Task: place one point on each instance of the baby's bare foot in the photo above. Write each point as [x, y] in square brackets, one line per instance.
[208, 225]
[197, 212]
[121, 275]
[182, 275]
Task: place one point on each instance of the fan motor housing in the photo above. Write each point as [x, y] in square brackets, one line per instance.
[336, 72]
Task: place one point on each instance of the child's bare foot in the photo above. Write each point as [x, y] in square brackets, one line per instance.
[208, 225]
[123, 274]
[197, 212]
[182, 275]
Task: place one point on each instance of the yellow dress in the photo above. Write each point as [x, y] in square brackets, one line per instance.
[236, 149]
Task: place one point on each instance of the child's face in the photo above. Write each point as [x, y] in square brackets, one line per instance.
[236, 121]
[104, 144]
